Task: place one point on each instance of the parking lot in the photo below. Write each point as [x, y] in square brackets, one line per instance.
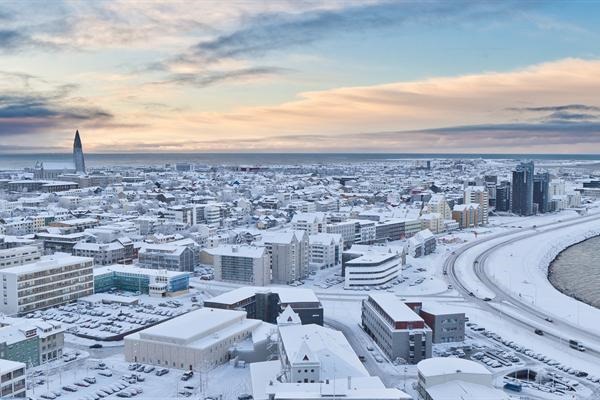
[551, 381]
[111, 378]
[101, 321]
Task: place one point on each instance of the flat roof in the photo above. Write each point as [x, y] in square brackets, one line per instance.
[8, 365]
[189, 326]
[286, 295]
[462, 390]
[434, 307]
[237, 251]
[395, 308]
[372, 258]
[131, 269]
[437, 366]
[47, 262]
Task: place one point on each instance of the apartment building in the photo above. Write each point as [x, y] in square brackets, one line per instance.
[478, 195]
[325, 250]
[422, 244]
[313, 222]
[105, 253]
[288, 255]
[167, 256]
[12, 379]
[247, 265]
[396, 328]
[50, 281]
[439, 204]
[30, 341]
[19, 255]
[467, 215]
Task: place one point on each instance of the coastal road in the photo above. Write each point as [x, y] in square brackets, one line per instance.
[529, 317]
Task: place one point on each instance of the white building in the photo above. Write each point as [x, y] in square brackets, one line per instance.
[51, 281]
[478, 195]
[422, 244]
[102, 253]
[455, 378]
[19, 255]
[438, 204]
[315, 363]
[197, 340]
[312, 223]
[241, 264]
[326, 250]
[32, 341]
[13, 379]
[289, 254]
[373, 268]
[432, 221]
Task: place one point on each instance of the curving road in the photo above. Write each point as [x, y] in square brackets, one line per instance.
[531, 318]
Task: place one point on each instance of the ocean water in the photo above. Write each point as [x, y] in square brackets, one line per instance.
[18, 161]
[576, 271]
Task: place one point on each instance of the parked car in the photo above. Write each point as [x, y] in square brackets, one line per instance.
[539, 332]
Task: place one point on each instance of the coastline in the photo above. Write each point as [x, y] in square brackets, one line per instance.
[560, 286]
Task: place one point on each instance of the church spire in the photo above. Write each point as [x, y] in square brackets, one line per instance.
[78, 154]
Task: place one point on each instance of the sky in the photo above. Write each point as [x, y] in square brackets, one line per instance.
[447, 76]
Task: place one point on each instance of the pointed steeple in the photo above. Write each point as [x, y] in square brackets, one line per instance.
[78, 154]
[305, 355]
[288, 317]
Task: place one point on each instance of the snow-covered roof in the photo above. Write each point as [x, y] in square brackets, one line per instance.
[437, 366]
[329, 346]
[8, 365]
[192, 326]
[286, 295]
[131, 269]
[237, 251]
[395, 308]
[461, 390]
[325, 238]
[48, 262]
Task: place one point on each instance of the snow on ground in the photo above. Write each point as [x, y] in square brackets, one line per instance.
[224, 380]
[522, 269]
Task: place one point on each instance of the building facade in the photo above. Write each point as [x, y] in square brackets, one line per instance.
[51, 281]
[522, 189]
[397, 329]
[372, 269]
[247, 265]
[143, 280]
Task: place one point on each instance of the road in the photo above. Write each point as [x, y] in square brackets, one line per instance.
[530, 318]
[390, 375]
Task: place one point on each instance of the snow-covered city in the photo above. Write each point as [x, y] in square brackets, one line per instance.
[300, 199]
[382, 279]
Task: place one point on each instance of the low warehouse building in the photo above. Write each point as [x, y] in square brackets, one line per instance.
[197, 340]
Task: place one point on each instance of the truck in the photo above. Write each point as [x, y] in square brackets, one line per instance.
[574, 344]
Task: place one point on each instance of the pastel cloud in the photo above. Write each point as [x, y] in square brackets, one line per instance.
[466, 112]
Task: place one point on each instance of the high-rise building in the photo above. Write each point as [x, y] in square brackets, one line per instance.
[541, 192]
[78, 155]
[522, 189]
[503, 196]
[478, 195]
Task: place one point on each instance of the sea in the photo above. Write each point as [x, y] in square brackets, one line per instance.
[19, 161]
[576, 271]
